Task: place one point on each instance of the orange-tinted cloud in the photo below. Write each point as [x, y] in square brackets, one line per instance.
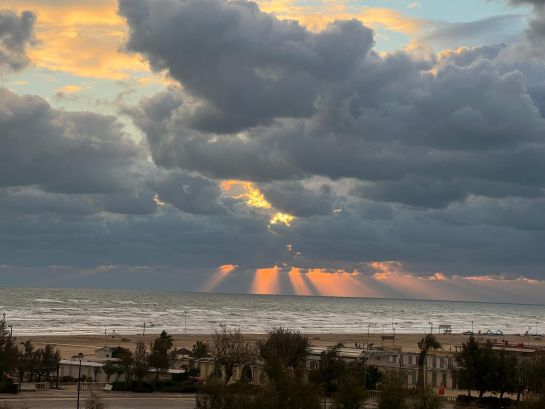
[339, 284]
[222, 273]
[85, 38]
[246, 191]
[316, 16]
[80, 37]
[70, 89]
[253, 197]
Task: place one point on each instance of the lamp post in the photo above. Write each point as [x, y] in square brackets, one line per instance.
[185, 322]
[431, 327]
[472, 328]
[80, 358]
[21, 370]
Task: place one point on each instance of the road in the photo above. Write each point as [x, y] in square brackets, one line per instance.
[113, 400]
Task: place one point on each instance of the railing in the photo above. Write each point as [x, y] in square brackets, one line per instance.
[376, 395]
[92, 386]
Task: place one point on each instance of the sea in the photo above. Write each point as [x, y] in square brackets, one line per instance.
[32, 311]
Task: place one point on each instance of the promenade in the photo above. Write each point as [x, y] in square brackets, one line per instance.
[66, 399]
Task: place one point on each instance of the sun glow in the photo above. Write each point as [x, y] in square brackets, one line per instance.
[266, 281]
[282, 218]
[298, 283]
[222, 273]
[253, 197]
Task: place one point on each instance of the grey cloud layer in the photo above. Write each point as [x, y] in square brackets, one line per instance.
[16, 32]
[436, 161]
[413, 137]
[459, 150]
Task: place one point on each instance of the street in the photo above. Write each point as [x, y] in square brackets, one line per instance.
[113, 400]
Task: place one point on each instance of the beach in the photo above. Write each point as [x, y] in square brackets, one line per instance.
[70, 345]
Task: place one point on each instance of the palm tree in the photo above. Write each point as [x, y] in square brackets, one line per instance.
[425, 344]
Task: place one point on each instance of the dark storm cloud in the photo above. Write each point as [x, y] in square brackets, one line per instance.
[189, 193]
[68, 152]
[433, 160]
[16, 33]
[296, 199]
[247, 67]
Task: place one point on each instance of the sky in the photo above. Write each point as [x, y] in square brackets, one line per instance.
[385, 148]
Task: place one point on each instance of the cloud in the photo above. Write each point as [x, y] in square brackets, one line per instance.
[67, 152]
[246, 67]
[92, 31]
[318, 15]
[496, 29]
[16, 33]
[410, 136]
[402, 140]
[434, 161]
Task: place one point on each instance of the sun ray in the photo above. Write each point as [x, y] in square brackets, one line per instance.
[298, 283]
[266, 281]
[220, 275]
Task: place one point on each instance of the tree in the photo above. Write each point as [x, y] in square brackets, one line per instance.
[503, 373]
[350, 391]
[8, 351]
[468, 363]
[140, 366]
[284, 349]
[394, 394]
[483, 367]
[329, 370]
[200, 350]
[229, 349]
[372, 377]
[48, 359]
[109, 369]
[536, 376]
[162, 354]
[125, 365]
[425, 399]
[425, 344]
[29, 359]
[284, 353]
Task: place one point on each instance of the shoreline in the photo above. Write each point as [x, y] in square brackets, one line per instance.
[69, 345]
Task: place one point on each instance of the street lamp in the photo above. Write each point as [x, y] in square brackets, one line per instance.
[80, 358]
[21, 366]
[185, 322]
[431, 327]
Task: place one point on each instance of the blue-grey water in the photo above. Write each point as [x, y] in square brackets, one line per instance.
[82, 311]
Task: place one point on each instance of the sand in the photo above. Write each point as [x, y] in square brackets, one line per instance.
[70, 345]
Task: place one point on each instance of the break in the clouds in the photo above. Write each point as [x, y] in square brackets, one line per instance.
[281, 159]
[16, 33]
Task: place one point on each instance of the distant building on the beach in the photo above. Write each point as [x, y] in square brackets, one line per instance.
[104, 352]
